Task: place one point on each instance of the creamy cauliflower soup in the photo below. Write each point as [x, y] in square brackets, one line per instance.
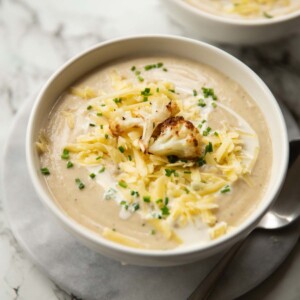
[156, 153]
[248, 9]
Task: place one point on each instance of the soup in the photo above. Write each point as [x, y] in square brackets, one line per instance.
[156, 153]
[247, 9]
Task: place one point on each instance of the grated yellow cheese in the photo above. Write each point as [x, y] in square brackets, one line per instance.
[177, 192]
[255, 7]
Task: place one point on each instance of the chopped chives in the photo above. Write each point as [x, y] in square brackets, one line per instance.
[209, 92]
[121, 149]
[206, 131]
[89, 107]
[146, 92]
[149, 67]
[133, 68]
[159, 201]
[92, 125]
[101, 170]
[186, 190]
[101, 126]
[201, 161]
[140, 78]
[135, 193]
[92, 175]
[166, 201]
[165, 69]
[225, 189]
[153, 232]
[169, 172]
[208, 148]
[123, 184]
[117, 100]
[99, 114]
[65, 154]
[129, 158]
[165, 211]
[135, 206]
[195, 93]
[98, 157]
[267, 15]
[106, 136]
[45, 171]
[147, 199]
[201, 103]
[70, 164]
[80, 184]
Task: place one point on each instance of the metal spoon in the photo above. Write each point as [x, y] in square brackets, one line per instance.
[285, 210]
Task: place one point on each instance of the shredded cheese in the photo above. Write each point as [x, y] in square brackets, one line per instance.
[176, 192]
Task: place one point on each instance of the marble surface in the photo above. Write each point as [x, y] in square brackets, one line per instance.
[38, 36]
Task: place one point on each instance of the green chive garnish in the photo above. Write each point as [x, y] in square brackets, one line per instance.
[201, 161]
[208, 92]
[65, 154]
[121, 149]
[169, 172]
[79, 183]
[147, 199]
[45, 171]
[165, 211]
[101, 170]
[208, 148]
[123, 184]
[201, 103]
[206, 131]
[70, 164]
[225, 189]
[92, 175]
[117, 100]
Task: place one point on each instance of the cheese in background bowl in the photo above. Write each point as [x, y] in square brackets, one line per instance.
[148, 158]
[247, 9]
[239, 22]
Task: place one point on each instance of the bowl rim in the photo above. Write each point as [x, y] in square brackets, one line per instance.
[91, 236]
[232, 21]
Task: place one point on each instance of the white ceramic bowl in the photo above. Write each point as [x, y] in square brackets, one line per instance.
[216, 28]
[165, 45]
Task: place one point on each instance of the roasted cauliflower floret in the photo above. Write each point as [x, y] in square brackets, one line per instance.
[176, 136]
[147, 119]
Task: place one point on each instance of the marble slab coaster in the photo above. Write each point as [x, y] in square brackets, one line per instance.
[89, 275]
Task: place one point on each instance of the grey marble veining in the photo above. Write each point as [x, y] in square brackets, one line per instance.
[39, 36]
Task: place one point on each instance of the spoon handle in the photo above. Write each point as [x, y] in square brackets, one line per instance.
[205, 288]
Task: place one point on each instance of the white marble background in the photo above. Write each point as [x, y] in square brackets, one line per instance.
[38, 36]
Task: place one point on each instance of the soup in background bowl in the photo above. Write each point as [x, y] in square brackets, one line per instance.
[236, 22]
[157, 150]
[247, 9]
